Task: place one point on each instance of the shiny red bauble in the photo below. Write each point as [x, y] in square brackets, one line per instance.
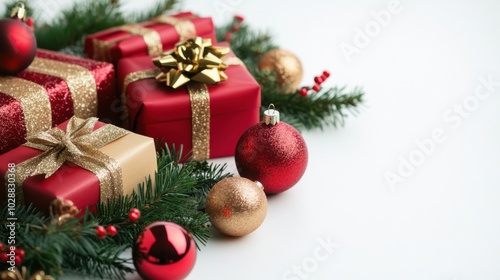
[164, 251]
[17, 46]
[275, 155]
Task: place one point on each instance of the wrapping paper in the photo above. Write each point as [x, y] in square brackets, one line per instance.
[134, 153]
[149, 38]
[53, 89]
[165, 113]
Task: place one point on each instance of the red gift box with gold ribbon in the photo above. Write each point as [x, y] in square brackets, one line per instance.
[175, 115]
[84, 161]
[50, 91]
[148, 38]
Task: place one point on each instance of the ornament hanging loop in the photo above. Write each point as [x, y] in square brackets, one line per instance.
[19, 11]
[271, 115]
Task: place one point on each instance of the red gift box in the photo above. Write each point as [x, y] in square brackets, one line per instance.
[51, 90]
[165, 113]
[149, 38]
[135, 154]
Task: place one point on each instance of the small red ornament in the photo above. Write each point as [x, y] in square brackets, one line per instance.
[101, 231]
[316, 87]
[304, 91]
[164, 251]
[326, 74]
[17, 43]
[1, 246]
[111, 230]
[273, 153]
[236, 27]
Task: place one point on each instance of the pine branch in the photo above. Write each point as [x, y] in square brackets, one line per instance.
[327, 107]
[247, 44]
[106, 263]
[159, 9]
[68, 29]
[176, 196]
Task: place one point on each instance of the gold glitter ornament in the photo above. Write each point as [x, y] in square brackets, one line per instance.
[236, 206]
[287, 67]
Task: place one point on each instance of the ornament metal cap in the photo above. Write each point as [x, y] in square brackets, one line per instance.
[19, 11]
[271, 115]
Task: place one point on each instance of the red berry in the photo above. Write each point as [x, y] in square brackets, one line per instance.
[304, 91]
[134, 215]
[101, 232]
[4, 257]
[319, 80]
[228, 36]
[111, 230]
[20, 253]
[1, 246]
[326, 74]
[236, 27]
[31, 23]
[17, 260]
[239, 18]
[316, 87]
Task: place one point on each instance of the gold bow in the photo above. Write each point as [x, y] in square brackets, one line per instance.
[196, 63]
[79, 145]
[23, 275]
[193, 60]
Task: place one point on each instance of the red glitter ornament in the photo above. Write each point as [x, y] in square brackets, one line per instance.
[273, 153]
[164, 251]
[17, 43]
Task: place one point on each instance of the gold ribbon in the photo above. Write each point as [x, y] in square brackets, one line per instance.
[22, 274]
[184, 27]
[34, 101]
[79, 145]
[196, 63]
[80, 82]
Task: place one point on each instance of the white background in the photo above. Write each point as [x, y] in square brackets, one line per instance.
[443, 221]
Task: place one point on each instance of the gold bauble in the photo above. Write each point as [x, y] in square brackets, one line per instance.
[236, 206]
[287, 67]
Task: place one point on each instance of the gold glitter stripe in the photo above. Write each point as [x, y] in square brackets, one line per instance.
[130, 78]
[101, 48]
[34, 101]
[80, 82]
[150, 36]
[185, 28]
[200, 110]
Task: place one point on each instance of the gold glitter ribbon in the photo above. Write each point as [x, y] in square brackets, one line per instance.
[34, 101]
[22, 274]
[79, 145]
[184, 27]
[196, 63]
[80, 82]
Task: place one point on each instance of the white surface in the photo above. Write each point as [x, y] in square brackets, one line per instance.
[442, 222]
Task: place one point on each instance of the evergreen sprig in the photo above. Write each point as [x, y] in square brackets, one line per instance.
[176, 195]
[66, 32]
[327, 107]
